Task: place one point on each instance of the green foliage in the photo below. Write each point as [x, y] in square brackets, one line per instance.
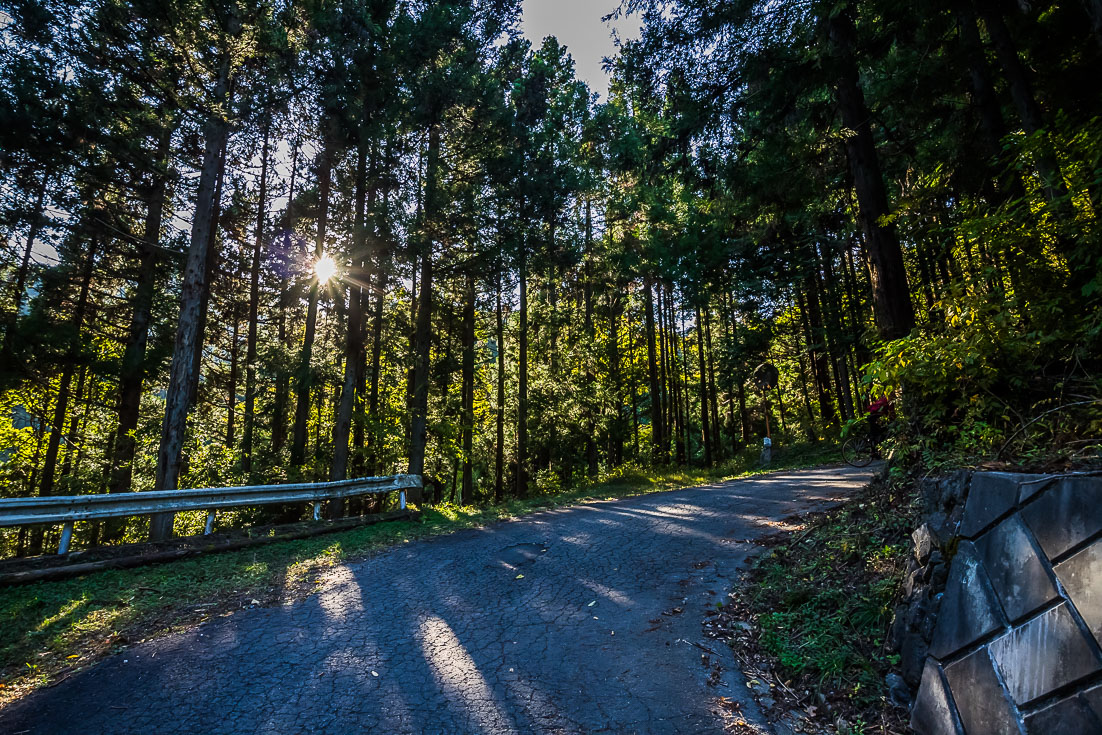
[823, 601]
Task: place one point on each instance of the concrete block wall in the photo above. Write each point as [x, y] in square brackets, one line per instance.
[1015, 647]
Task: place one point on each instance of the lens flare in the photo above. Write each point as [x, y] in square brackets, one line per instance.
[325, 269]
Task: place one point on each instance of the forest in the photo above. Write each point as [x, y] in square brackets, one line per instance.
[261, 242]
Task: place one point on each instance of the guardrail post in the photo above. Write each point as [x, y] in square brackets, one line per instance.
[209, 527]
[402, 499]
[66, 538]
[317, 511]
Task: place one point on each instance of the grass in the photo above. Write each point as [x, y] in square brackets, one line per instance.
[49, 629]
[822, 600]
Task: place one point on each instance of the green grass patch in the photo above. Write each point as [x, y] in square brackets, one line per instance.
[823, 598]
[49, 628]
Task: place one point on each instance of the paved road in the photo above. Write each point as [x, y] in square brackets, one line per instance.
[441, 636]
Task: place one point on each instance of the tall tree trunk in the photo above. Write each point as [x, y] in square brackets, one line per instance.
[652, 376]
[664, 382]
[686, 390]
[1021, 92]
[747, 429]
[522, 378]
[891, 294]
[231, 391]
[499, 450]
[633, 386]
[713, 394]
[353, 345]
[590, 334]
[209, 269]
[375, 437]
[132, 374]
[422, 333]
[192, 291]
[74, 445]
[676, 387]
[992, 126]
[254, 308]
[304, 377]
[828, 292]
[813, 326]
[705, 419]
[467, 495]
[727, 317]
[809, 425]
[616, 434]
[283, 380]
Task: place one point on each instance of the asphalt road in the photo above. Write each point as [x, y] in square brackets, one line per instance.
[578, 620]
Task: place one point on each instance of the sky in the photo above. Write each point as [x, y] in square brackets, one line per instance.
[577, 24]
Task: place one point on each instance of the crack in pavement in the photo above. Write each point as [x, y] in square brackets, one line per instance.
[552, 623]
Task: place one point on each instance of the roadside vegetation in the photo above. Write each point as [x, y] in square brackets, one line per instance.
[50, 629]
[810, 617]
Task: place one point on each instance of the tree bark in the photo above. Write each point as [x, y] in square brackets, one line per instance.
[705, 419]
[522, 378]
[891, 294]
[208, 277]
[590, 333]
[499, 450]
[665, 388]
[467, 492]
[193, 289]
[652, 376]
[717, 443]
[353, 345]
[376, 368]
[254, 308]
[616, 433]
[304, 377]
[1021, 92]
[422, 333]
[132, 374]
[231, 391]
[283, 381]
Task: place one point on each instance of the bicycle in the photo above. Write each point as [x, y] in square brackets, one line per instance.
[860, 451]
[863, 447]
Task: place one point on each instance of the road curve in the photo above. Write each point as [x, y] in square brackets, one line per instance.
[564, 621]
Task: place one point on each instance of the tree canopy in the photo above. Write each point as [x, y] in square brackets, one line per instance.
[317, 239]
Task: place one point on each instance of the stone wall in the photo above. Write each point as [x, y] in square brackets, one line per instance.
[1012, 644]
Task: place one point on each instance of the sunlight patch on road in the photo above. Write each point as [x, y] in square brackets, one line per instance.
[342, 595]
[458, 676]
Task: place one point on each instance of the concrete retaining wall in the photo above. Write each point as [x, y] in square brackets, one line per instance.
[1015, 647]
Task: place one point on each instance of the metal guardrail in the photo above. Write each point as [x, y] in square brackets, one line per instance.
[68, 509]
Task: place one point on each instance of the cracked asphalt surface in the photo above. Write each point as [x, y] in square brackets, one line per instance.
[564, 621]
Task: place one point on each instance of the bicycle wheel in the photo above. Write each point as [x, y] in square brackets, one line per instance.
[858, 451]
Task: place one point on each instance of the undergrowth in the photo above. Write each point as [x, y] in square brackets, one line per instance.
[821, 602]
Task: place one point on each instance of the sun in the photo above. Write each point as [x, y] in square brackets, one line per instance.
[325, 268]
